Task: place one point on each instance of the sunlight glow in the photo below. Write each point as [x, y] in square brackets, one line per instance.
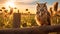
[10, 4]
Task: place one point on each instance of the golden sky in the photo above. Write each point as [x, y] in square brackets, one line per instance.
[24, 4]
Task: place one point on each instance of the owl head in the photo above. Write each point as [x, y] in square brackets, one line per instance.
[41, 7]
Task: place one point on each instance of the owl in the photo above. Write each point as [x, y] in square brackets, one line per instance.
[42, 15]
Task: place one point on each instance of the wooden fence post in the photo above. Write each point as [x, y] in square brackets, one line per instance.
[16, 20]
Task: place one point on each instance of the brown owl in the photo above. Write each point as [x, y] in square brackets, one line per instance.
[42, 15]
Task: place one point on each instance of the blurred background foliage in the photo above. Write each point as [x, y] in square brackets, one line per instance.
[27, 20]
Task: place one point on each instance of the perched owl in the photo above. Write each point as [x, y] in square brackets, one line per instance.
[42, 15]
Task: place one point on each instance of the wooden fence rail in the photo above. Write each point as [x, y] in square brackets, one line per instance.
[32, 30]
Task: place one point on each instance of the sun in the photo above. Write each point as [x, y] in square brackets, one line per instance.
[10, 4]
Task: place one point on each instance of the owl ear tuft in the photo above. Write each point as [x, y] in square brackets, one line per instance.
[45, 2]
[37, 3]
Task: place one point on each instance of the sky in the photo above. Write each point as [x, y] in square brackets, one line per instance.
[28, 4]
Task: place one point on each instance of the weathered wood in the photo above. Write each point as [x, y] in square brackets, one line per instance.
[32, 30]
[16, 20]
